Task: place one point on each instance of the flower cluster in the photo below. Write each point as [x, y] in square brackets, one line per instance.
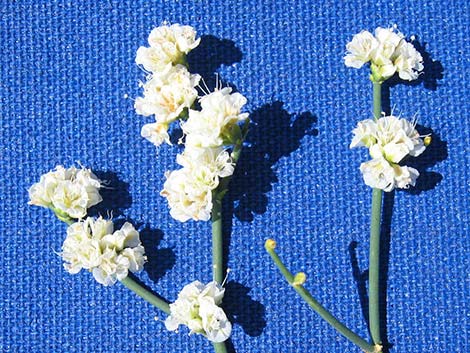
[390, 140]
[170, 88]
[92, 244]
[388, 53]
[198, 308]
[208, 134]
[68, 192]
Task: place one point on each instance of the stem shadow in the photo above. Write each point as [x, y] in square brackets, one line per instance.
[361, 278]
[274, 133]
[385, 242]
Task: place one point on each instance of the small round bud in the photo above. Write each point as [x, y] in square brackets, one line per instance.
[270, 244]
[299, 279]
[427, 140]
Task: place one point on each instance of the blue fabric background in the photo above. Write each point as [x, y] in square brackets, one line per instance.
[64, 69]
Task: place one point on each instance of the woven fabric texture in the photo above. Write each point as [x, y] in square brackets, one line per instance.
[64, 71]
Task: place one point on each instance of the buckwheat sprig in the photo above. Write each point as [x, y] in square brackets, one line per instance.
[389, 139]
[92, 243]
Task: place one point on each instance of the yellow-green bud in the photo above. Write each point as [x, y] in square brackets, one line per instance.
[270, 244]
[427, 140]
[299, 279]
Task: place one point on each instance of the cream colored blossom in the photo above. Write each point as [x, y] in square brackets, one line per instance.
[216, 160]
[157, 133]
[408, 61]
[217, 122]
[381, 174]
[183, 38]
[378, 173]
[388, 53]
[198, 308]
[92, 244]
[189, 190]
[189, 193]
[360, 49]
[168, 46]
[167, 95]
[397, 138]
[69, 192]
[390, 140]
[364, 134]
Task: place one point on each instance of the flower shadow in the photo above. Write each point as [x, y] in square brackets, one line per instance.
[243, 310]
[210, 55]
[434, 153]
[115, 194]
[159, 260]
[274, 133]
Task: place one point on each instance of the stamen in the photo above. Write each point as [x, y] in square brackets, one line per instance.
[226, 277]
[206, 91]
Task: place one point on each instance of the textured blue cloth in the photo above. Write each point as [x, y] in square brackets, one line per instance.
[64, 69]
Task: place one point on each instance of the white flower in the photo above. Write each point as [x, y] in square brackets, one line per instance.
[216, 161]
[390, 140]
[388, 41]
[182, 37]
[378, 173]
[360, 49]
[396, 138]
[157, 133]
[198, 308]
[168, 46]
[69, 192]
[364, 134]
[189, 190]
[92, 245]
[387, 51]
[214, 321]
[408, 61]
[405, 176]
[167, 95]
[217, 123]
[189, 193]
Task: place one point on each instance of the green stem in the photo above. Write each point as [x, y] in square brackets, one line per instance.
[235, 156]
[315, 305]
[374, 262]
[377, 99]
[62, 216]
[219, 347]
[374, 245]
[217, 240]
[145, 294]
[216, 216]
[216, 219]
